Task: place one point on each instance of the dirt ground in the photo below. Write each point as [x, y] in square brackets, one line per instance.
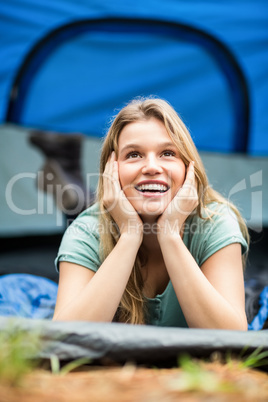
[215, 382]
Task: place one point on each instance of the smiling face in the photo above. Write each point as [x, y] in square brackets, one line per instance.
[151, 170]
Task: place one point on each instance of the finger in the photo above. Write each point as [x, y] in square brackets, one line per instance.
[108, 175]
[114, 172]
[112, 157]
[108, 169]
[190, 176]
[112, 176]
[115, 176]
[189, 187]
[192, 182]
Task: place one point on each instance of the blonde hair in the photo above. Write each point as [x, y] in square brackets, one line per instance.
[132, 306]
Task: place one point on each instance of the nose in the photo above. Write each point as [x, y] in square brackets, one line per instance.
[152, 165]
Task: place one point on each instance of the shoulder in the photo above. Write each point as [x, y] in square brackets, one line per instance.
[80, 242]
[86, 223]
[217, 228]
[215, 214]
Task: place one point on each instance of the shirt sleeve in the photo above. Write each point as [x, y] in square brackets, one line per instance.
[80, 245]
[221, 230]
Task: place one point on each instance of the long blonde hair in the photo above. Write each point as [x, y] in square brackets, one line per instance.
[132, 305]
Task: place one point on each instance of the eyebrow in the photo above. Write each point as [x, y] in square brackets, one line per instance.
[138, 146]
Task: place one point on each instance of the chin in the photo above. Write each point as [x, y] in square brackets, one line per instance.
[151, 211]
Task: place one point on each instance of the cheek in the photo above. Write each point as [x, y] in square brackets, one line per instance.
[179, 176]
[125, 175]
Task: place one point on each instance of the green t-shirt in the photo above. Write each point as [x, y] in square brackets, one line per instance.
[80, 245]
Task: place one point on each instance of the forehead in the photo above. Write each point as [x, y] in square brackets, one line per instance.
[142, 131]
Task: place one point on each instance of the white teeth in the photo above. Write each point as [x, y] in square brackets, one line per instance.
[152, 187]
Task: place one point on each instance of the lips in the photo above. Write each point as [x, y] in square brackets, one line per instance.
[152, 187]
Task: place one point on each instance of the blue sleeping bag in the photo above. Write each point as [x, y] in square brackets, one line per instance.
[28, 296]
[260, 319]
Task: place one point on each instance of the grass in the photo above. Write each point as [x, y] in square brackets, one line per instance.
[18, 349]
[56, 369]
[194, 378]
[257, 358]
[18, 355]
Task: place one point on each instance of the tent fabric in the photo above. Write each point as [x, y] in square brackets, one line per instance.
[141, 344]
[136, 31]
[87, 77]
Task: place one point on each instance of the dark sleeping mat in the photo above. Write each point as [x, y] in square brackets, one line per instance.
[120, 343]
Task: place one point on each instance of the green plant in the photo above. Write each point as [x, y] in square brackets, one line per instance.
[18, 351]
[256, 359]
[193, 377]
[56, 369]
[18, 355]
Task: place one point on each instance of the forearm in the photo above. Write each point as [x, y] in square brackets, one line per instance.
[100, 298]
[203, 306]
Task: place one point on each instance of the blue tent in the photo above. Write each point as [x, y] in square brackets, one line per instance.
[68, 66]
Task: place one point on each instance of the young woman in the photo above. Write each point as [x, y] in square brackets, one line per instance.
[160, 246]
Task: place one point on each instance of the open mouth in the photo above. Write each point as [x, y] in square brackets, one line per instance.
[152, 188]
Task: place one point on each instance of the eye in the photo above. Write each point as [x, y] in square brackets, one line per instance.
[169, 153]
[132, 155]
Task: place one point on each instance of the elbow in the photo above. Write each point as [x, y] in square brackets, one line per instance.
[244, 325]
[243, 322]
[237, 321]
[240, 324]
[56, 318]
[63, 317]
[60, 316]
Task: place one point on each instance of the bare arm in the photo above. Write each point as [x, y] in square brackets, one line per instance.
[87, 296]
[210, 297]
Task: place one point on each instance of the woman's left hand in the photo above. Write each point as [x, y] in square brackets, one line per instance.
[182, 205]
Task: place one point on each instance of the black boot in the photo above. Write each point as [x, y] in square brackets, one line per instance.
[61, 174]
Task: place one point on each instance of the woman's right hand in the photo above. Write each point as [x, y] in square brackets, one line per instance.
[117, 204]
